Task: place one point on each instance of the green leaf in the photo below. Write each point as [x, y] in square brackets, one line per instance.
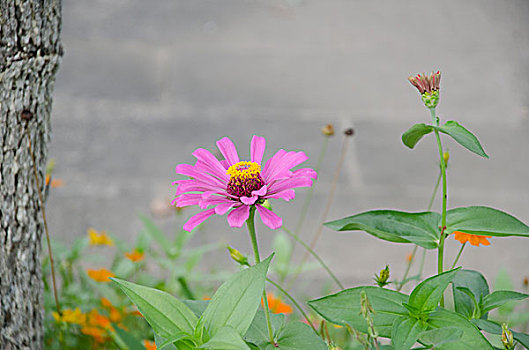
[405, 332]
[439, 336]
[127, 340]
[282, 246]
[494, 328]
[415, 133]
[500, 297]
[171, 340]
[480, 220]
[428, 293]
[462, 136]
[344, 308]
[166, 314]
[298, 336]
[258, 331]
[476, 283]
[236, 301]
[226, 338]
[471, 337]
[421, 229]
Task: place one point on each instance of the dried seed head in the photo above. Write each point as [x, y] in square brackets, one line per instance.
[328, 130]
[349, 132]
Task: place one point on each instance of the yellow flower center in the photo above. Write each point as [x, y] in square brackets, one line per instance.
[245, 177]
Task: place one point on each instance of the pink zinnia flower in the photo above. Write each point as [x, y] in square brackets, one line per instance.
[233, 185]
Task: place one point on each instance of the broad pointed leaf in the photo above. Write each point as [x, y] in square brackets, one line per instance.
[298, 336]
[415, 133]
[494, 328]
[475, 282]
[258, 331]
[485, 221]
[235, 302]
[226, 338]
[166, 314]
[471, 338]
[126, 340]
[344, 308]
[421, 229]
[500, 297]
[428, 293]
[462, 136]
[440, 336]
[405, 332]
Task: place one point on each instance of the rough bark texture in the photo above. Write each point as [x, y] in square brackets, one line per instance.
[29, 55]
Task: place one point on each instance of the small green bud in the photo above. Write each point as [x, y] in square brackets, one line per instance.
[238, 257]
[430, 99]
[382, 279]
[507, 337]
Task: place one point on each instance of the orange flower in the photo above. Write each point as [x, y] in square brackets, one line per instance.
[473, 239]
[97, 320]
[149, 345]
[54, 182]
[115, 315]
[70, 316]
[276, 305]
[106, 303]
[409, 257]
[99, 239]
[134, 256]
[101, 275]
[97, 333]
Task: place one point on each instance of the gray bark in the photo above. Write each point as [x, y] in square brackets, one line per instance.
[29, 56]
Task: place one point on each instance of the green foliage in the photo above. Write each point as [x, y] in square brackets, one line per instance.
[343, 308]
[452, 128]
[226, 338]
[437, 337]
[474, 281]
[405, 332]
[421, 229]
[166, 314]
[494, 328]
[297, 336]
[485, 221]
[426, 296]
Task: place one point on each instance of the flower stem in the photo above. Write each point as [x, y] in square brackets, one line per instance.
[330, 199]
[293, 302]
[459, 255]
[253, 238]
[315, 255]
[440, 250]
[308, 199]
[43, 210]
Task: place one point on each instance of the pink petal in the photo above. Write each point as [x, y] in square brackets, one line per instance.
[306, 172]
[228, 150]
[197, 219]
[225, 164]
[187, 199]
[279, 167]
[260, 192]
[208, 160]
[286, 195]
[257, 148]
[249, 200]
[238, 216]
[213, 200]
[223, 208]
[197, 175]
[269, 218]
[293, 182]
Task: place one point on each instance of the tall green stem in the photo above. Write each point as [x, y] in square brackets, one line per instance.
[296, 304]
[308, 199]
[253, 238]
[315, 255]
[459, 254]
[440, 250]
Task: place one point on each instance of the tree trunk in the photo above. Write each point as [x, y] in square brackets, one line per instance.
[29, 56]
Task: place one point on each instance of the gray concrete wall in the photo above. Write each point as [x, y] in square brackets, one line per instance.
[144, 83]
